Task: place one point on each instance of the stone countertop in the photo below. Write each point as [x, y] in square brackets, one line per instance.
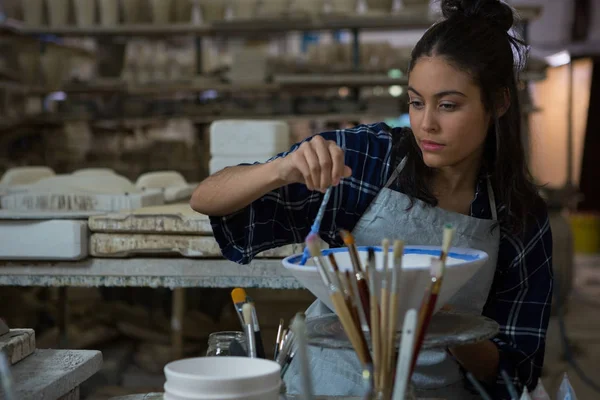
[148, 272]
[50, 374]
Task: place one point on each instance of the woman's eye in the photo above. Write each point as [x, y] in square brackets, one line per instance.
[448, 106]
[415, 104]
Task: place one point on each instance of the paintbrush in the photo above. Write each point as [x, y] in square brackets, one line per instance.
[287, 352]
[345, 286]
[339, 303]
[361, 282]
[512, 390]
[260, 348]
[299, 329]
[375, 323]
[384, 317]
[484, 395]
[238, 296]
[438, 267]
[278, 338]
[446, 243]
[247, 310]
[403, 366]
[427, 307]
[314, 229]
[396, 279]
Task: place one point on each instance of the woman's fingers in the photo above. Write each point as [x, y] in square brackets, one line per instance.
[312, 161]
[321, 163]
[326, 164]
[301, 164]
[338, 166]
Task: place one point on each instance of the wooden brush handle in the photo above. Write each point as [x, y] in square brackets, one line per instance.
[346, 319]
[363, 293]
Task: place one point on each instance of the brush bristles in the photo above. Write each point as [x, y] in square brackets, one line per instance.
[436, 268]
[238, 295]
[347, 237]
[398, 249]
[247, 310]
[447, 240]
[385, 247]
[314, 247]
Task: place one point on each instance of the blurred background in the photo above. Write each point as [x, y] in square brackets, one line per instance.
[134, 87]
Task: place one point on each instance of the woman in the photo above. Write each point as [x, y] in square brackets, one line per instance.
[462, 162]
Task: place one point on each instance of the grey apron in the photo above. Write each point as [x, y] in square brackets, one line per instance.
[339, 372]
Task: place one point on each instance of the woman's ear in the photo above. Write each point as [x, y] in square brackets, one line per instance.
[503, 102]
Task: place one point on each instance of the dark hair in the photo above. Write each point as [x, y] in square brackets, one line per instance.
[474, 37]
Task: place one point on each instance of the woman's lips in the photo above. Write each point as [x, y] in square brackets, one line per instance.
[428, 145]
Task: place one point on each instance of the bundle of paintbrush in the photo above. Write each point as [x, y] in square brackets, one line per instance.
[246, 311]
[370, 296]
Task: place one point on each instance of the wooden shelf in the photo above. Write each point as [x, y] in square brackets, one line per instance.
[407, 20]
[280, 82]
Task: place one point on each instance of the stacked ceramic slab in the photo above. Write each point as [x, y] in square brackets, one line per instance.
[234, 142]
[17, 344]
[173, 185]
[47, 219]
[162, 230]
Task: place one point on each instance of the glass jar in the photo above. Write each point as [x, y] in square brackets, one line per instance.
[218, 342]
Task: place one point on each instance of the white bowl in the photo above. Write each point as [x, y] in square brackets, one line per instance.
[268, 394]
[462, 264]
[225, 377]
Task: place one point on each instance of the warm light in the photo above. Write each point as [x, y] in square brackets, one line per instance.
[395, 90]
[558, 59]
[343, 92]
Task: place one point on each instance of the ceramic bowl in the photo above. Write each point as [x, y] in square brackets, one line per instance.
[462, 264]
[222, 377]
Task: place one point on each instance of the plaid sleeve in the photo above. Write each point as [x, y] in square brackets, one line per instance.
[520, 302]
[284, 216]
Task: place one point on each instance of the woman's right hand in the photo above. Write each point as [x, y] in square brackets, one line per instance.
[318, 163]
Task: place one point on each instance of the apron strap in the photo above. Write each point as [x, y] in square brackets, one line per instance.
[492, 199]
[395, 174]
[490, 190]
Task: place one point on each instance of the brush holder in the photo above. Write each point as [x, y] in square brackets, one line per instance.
[219, 342]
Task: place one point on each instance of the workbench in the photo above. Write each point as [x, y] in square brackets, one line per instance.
[154, 272]
[53, 374]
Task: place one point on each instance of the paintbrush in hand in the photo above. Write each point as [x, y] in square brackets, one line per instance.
[314, 229]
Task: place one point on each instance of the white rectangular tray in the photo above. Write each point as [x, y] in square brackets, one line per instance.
[43, 240]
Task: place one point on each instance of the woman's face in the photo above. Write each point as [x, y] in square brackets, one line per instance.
[447, 115]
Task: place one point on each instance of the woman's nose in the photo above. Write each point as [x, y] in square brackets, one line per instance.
[429, 122]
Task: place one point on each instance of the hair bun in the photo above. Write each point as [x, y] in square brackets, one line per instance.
[494, 11]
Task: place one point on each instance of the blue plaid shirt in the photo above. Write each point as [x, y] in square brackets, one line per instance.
[521, 294]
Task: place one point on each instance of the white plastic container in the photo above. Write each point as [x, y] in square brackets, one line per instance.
[225, 378]
[109, 12]
[249, 138]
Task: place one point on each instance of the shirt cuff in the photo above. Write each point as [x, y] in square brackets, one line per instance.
[228, 248]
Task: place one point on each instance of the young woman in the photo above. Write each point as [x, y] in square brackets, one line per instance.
[461, 162]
